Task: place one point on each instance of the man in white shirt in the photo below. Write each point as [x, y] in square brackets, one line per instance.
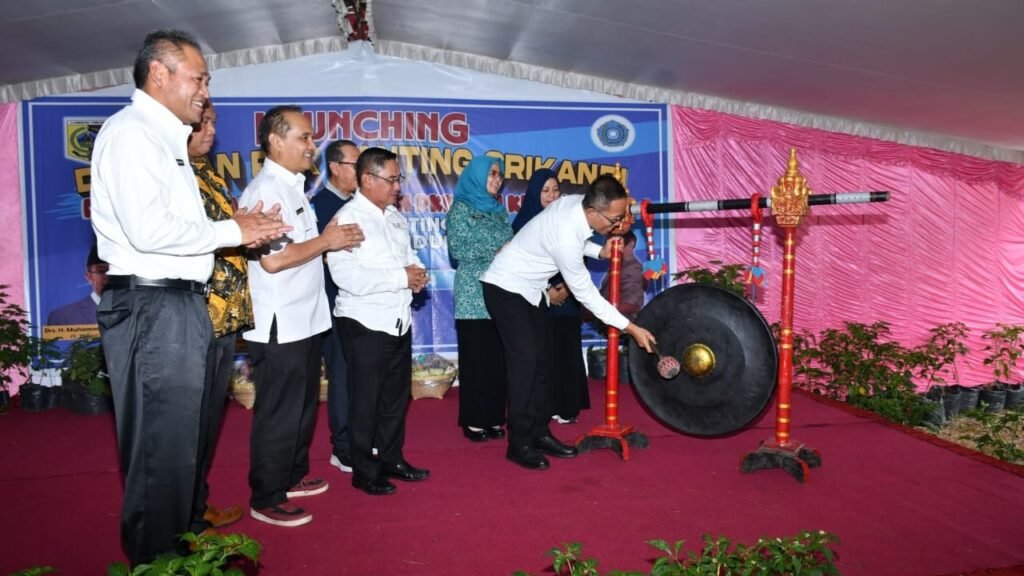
[376, 282]
[514, 287]
[151, 228]
[291, 313]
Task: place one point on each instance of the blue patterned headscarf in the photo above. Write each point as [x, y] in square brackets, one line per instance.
[531, 200]
[472, 185]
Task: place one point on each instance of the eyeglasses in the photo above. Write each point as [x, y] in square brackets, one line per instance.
[343, 162]
[614, 222]
[393, 180]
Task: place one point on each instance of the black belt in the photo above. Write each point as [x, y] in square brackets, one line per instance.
[132, 282]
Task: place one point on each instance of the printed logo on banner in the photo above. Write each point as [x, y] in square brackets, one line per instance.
[612, 133]
[79, 135]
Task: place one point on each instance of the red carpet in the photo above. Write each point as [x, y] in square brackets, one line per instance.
[901, 506]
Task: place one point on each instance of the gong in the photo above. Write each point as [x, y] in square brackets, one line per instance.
[727, 356]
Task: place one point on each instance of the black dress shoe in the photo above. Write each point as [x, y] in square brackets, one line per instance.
[495, 432]
[475, 435]
[404, 471]
[550, 445]
[527, 457]
[378, 486]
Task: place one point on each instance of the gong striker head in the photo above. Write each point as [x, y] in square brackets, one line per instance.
[698, 360]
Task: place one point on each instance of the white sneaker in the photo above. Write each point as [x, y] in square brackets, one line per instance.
[344, 463]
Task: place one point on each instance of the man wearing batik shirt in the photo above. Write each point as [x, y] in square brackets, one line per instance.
[230, 311]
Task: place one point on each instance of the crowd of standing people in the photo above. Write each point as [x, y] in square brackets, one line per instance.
[191, 270]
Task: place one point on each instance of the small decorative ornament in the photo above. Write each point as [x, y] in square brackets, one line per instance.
[755, 276]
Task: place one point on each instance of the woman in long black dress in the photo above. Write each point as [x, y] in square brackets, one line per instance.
[567, 378]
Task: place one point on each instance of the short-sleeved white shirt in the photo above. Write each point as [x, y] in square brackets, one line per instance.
[294, 296]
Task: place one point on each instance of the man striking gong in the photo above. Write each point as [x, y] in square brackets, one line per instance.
[514, 285]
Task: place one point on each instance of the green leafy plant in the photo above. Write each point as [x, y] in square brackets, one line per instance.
[938, 356]
[997, 434]
[1006, 344]
[15, 342]
[726, 276]
[34, 571]
[806, 554]
[46, 354]
[86, 365]
[862, 366]
[210, 554]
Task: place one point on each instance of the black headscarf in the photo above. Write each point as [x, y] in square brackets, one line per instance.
[531, 200]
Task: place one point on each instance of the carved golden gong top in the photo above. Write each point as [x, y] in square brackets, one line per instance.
[789, 196]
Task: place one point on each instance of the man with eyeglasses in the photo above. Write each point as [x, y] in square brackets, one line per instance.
[376, 282]
[514, 288]
[340, 166]
[83, 312]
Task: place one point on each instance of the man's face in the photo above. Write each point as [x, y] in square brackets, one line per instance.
[343, 173]
[381, 188]
[610, 220]
[296, 149]
[201, 141]
[96, 276]
[185, 90]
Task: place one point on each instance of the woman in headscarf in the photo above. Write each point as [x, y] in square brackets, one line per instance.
[477, 226]
[567, 378]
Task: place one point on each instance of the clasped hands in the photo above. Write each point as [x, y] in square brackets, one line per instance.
[418, 278]
[342, 236]
[259, 227]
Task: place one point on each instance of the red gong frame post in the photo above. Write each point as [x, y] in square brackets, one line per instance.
[612, 434]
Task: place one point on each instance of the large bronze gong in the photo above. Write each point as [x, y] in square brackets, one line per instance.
[727, 355]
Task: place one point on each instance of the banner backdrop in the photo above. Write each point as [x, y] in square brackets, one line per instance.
[434, 139]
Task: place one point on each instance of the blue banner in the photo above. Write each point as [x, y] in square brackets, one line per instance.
[433, 138]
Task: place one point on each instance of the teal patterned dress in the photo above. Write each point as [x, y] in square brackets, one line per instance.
[474, 237]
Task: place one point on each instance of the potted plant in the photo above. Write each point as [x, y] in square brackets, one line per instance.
[938, 357]
[86, 385]
[1006, 344]
[40, 392]
[15, 346]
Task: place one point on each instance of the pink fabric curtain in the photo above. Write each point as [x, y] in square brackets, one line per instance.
[948, 246]
[12, 251]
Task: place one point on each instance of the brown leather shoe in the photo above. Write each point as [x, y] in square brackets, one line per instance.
[193, 546]
[220, 517]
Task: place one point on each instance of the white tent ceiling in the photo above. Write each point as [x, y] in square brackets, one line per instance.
[946, 67]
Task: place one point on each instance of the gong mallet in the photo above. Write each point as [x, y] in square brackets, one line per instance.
[668, 366]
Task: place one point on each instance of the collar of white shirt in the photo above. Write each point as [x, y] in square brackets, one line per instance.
[363, 203]
[159, 113]
[289, 178]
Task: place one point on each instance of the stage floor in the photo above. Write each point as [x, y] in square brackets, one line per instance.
[900, 506]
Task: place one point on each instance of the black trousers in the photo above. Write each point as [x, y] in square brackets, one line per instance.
[482, 374]
[156, 342]
[287, 381]
[337, 387]
[220, 365]
[521, 326]
[567, 376]
[380, 378]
